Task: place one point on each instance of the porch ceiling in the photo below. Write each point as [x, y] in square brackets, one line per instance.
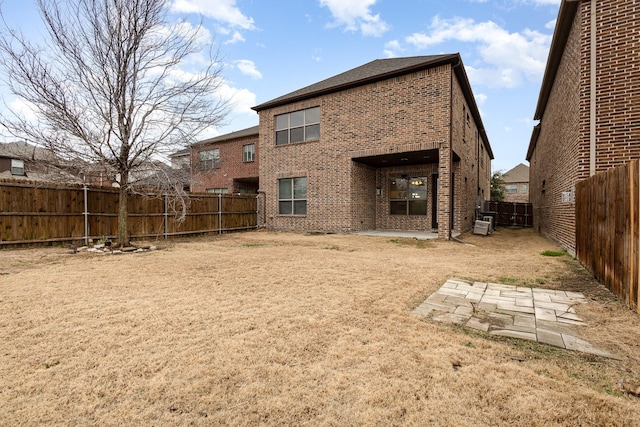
[402, 159]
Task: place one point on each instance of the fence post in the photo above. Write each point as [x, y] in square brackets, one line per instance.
[219, 213]
[86, 216]
[166, 215]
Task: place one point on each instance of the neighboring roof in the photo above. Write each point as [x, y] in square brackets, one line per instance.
[253, 130]
[22, 150]
[181, 153]
[382, 69]
[566, 15]
[519, 173]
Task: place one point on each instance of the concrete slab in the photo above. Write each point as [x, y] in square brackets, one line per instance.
[535, 314]
[551, 338]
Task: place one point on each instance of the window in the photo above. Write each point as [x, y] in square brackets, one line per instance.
[524, 188]
[217, 190]
[17, 167]
[299, 126]
[511, 188]
[209, 159]
[248, 153]
[292, 196]
[408, 196]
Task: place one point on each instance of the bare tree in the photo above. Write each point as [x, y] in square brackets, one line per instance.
[106, 86]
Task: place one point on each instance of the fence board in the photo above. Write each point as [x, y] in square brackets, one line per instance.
[608, 230]
[31, 213]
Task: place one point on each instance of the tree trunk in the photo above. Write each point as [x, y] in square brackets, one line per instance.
[123, 235]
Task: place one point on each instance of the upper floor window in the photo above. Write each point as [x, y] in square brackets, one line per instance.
[299, 126]
[248, 153]
[511, 188]
[408, 196]
[17, 167]
[209, 159]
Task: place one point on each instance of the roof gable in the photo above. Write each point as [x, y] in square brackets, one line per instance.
[519, 173]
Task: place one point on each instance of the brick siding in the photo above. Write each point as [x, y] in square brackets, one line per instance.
[561, 156]
[232, 168]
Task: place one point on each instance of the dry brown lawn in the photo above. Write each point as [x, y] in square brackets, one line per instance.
[265, 328]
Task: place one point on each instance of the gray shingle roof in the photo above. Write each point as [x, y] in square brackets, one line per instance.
[253, 130]
[373, 71]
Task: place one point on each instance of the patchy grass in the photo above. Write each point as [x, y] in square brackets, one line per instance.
[553, 253]
[268, 328]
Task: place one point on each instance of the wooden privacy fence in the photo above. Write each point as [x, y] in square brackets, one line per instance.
[31, 213]
[608, 230]
[509, 214]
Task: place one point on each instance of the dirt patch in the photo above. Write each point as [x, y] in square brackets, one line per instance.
[291, 329]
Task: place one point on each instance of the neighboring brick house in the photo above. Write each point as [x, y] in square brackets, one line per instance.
[226, 163]
[394, 144]
[516, 184]
[20, 161]
[589, 108]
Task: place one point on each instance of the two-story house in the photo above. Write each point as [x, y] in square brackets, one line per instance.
[226, 163]
[588, 108]
[516, 184]
[394, 144]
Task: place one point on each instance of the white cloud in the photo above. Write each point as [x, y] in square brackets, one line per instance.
[241, 100]
[392, 49]
[222, 10]
[24, 109]
[355, 15]
[248, 68]
[481, 98]
[551, 24]
[237, 37]
[508, 59]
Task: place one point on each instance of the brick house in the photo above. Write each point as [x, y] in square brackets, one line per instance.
[516, 184]
[394, 144]
[226, 163]
[588, 108]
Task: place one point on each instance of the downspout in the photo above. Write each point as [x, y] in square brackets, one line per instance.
[451, 183]
[592, 94]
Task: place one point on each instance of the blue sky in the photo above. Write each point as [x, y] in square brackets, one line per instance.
[270, 48]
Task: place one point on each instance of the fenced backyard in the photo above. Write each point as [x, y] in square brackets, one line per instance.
[41, 214]
[608, 230]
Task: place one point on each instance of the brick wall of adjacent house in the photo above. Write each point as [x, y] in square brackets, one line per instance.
[617, 83]
[232, 167]
[553, 166]
[397, 114]
[562, 154]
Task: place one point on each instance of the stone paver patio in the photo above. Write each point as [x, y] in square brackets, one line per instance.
[543, 315]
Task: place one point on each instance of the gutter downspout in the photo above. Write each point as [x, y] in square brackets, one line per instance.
[592, 94]
[451, 183]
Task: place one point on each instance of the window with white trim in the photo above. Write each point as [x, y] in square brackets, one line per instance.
[292, 196]
[298, 126]
[248, 153]
[17, 167]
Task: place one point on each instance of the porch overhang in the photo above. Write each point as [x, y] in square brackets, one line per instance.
[408, 158]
